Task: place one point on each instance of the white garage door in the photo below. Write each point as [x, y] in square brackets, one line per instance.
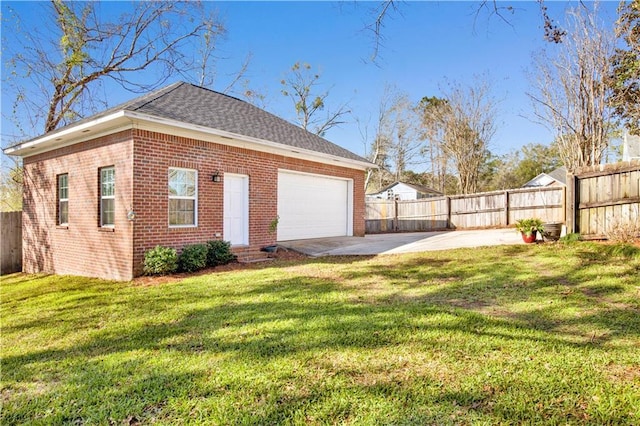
[313, 206]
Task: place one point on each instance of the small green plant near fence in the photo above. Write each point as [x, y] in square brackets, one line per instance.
[529, 226]
[160, 261]
[193, 258]
[571, 238]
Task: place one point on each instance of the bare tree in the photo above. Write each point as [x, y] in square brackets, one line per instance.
[377, 150]
[398, 140]
[68, 61]
[207, 58]
[403, 130]
[432, 109]
[571, 94]
[462, 125]
[300, 86]
[388, 8]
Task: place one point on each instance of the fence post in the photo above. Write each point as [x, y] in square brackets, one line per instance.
[396, 226]
[506, 207]
[572, 201]
[449, 213]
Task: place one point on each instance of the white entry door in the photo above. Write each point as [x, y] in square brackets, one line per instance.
[236, 209]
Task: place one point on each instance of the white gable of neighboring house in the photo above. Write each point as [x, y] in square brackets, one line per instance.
[542, 179]
[403, 192]
[554, 178]
[630, 147]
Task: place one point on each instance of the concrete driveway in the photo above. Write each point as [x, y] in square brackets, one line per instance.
[403, 242]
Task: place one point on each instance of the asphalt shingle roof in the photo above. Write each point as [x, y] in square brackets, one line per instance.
[196, 105]
[559, 174]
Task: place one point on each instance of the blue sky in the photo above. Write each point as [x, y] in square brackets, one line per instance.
[424, 44]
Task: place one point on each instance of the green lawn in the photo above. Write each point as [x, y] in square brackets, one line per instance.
[514, 334]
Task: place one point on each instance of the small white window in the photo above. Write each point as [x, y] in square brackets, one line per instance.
[107, 196]
[63, 199]
[183, 197]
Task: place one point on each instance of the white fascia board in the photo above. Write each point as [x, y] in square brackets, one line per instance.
[123, 119]
[111, 123]
[194, 131]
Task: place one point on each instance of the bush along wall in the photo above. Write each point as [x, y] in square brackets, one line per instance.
[165, 260]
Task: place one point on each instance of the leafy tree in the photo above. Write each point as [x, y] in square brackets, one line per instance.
[11, 189]
[625, 77]
[493, 174]
[427, 179]
[300, 87]
[536, 159]
[516, 168]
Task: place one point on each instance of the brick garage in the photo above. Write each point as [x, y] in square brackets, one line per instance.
[176, 128]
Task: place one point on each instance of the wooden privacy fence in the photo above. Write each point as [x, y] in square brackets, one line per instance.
[11, 245]
[607, 200]
[485, 210]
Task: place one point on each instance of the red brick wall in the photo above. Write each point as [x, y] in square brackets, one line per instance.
[154, 153]
[82, 247]
[141, 161]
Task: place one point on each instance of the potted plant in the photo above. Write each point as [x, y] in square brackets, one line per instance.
[529, 229]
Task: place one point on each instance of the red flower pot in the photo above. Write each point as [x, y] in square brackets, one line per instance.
[529, 238]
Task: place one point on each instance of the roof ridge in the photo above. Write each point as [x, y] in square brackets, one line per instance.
[217, 93]
[264, 111]
[141, 101]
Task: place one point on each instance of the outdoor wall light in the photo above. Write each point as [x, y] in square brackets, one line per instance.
[131, 215]
[216, 176]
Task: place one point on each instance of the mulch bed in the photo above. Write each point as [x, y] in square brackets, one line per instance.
[282, 255]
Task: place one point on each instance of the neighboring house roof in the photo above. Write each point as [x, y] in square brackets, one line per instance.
[418, 188]
[557, 176]
[207, 111]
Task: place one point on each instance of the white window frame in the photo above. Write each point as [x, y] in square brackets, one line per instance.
[107, 197]
[63, 200]
[183, 197]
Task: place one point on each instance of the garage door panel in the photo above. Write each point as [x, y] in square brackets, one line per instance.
[312, 206]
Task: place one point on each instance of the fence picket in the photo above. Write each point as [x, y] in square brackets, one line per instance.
[11, 245]
[484, 210]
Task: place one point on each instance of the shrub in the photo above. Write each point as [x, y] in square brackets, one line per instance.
[219, 253]
[160, 261]
[622, 231]
[193, 257]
